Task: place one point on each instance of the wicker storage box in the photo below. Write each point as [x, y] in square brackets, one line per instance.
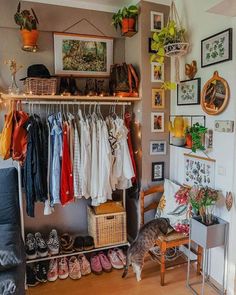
[41, 86]
[107, 229]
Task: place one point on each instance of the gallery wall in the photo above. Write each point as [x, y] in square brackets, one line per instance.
[200, 25]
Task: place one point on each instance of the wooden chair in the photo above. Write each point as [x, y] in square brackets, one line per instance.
[173, 239]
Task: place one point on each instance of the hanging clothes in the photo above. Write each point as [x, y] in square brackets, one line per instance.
[67, 186]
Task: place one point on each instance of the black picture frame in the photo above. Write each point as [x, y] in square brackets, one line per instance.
[197, 102]
[154, 164]
[230, 49]
[150, 46]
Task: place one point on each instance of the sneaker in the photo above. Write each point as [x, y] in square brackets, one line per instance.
[53, 242]
[30, 246]
[41, 272]
[66, 243]
[63, 271]
[96, 265]
[84, 265]
[42, 247]
[114, 259]
[121, 255]
[53, 270]
[78, 244]
[105, 262]
[31, 280]
[88, 243]
[74, 268]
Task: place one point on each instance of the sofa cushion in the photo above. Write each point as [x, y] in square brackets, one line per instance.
[10, 246]
[12, 281]
[9, 209]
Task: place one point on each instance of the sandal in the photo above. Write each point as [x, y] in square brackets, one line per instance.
[67, 244]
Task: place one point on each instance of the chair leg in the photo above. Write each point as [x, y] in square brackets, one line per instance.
[199, 259]
[163, 265]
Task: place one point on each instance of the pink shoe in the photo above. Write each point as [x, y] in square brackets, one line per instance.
[63, 271]
[74, 268]
[53, 270]
[114, 259]
[106, 265]
[121, 255]
[84, 265]
[96, 265]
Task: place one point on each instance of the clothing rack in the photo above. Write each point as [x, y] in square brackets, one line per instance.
[20, 192]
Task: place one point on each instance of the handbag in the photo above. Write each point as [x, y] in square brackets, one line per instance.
[123, 80]
[6, 135]
[19, 135]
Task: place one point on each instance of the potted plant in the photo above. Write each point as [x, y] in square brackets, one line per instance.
[194, 137]
[207, 230]
[28, 27]
[126, 18]
[202, 201]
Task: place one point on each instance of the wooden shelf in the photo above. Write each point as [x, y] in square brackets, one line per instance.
[76, 253]
[69, 98]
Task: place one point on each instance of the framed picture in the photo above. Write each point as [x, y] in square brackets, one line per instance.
[157, 21]
[82, 55]
[157, 171]
[150, 46]
[199, 171]
[158, 98]
[189, 92]
[157, 148]
[157, 122]
[157, 72]
[217, 48]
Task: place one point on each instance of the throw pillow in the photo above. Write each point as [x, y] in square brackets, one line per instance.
[10, 250]
[174, 205]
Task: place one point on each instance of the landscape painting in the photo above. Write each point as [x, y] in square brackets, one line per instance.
[81, 55]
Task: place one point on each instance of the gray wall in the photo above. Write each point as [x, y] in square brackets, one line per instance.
[136, 52]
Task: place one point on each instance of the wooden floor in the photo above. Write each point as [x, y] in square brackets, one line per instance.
[113, 284]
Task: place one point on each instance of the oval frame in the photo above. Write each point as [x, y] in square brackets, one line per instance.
[227, 95]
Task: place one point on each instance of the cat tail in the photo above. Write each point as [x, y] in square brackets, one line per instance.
[126, 268]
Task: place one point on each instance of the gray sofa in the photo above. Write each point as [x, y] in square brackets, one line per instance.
[12, 253]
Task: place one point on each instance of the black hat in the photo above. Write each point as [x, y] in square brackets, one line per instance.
[37, 71]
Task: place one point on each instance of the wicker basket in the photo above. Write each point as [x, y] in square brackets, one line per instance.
[41, 86]
[107, 229]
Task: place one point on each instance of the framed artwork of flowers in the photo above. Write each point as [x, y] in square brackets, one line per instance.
[217, 48]
[189, 92]
[199, 171]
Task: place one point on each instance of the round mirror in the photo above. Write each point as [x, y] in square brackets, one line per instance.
[215, 95]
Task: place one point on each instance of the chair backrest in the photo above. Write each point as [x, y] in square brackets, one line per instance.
[154, 204]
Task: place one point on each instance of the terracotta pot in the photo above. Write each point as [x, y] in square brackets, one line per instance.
[131, 24]
[29, 38]
[128, 24]
[189, 141]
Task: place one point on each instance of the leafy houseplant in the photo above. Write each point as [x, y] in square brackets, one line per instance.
[202, 201]
[126, 18]
[196, 133]
[170, 34]
[28, 26]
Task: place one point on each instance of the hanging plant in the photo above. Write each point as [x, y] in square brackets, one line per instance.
[170, 41]
[125, 18]
[27, 21]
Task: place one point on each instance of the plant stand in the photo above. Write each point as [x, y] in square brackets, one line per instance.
[208, 237]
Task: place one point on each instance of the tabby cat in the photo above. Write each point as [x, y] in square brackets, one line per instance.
[145, 240]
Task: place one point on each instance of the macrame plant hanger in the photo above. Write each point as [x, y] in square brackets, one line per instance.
[179, 46]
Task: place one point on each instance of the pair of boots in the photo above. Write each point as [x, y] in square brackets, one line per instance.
[68, 86]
